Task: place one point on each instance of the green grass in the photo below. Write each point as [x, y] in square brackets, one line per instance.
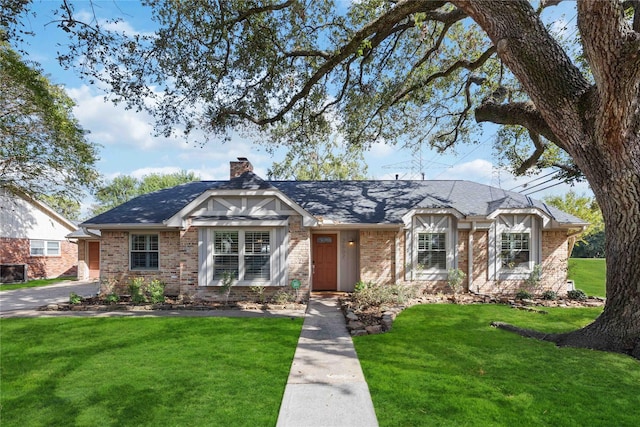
[443, 365]
[34, 283]
[145, 371]
[589, 274]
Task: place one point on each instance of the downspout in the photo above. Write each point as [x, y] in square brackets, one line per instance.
[470, 258]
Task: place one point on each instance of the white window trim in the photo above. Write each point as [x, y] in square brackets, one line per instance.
[431, 224]
[131, 250]
[45, 248]
[527, 224]
[207, 253]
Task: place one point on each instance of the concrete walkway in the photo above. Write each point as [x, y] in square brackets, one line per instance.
[326, 386]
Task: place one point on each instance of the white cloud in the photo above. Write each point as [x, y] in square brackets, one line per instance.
[381, 150]
[111, 124]
[477, 170]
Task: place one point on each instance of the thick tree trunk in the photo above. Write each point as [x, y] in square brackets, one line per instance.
[615, 179]
[598, 125]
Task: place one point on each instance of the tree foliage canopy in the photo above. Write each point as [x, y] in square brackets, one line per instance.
[44, 150]
[124, 188]
[372, 71]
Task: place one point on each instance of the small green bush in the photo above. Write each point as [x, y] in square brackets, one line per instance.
[455, 278]
[283, 296]
[369, 294]
[522, 294]
[112, 298]
[74, 298]
[135, 290]
[143, 292]
[258, 290]
[549, 295]
[359, 286]
[155, 291]
[577, 294]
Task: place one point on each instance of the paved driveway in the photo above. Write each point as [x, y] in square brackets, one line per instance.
[32, 298]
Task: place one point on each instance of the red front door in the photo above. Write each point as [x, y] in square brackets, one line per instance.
[93, 260]
[325, 262]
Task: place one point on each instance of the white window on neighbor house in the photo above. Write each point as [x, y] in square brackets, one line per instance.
[44, 248]
[144, 252]
[244, 254]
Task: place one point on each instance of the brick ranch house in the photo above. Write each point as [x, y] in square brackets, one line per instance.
[32, 237]
[328, 235]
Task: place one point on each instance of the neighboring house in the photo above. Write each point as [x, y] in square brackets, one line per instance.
[328, 235]
[33, 235]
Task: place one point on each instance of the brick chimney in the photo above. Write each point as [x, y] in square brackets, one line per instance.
[239, 167]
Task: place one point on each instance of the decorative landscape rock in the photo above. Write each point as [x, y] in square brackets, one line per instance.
[378, 320]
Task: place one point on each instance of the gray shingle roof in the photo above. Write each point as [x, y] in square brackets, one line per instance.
[347, 202]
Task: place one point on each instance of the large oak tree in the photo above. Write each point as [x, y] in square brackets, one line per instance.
[384, 70]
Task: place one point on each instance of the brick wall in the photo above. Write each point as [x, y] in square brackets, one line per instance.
[377, 256]
[178, 263]
[17, 251]
[555, 254]
[481, 282]
[299, 253]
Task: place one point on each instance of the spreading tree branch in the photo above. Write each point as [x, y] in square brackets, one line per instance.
[524, 114]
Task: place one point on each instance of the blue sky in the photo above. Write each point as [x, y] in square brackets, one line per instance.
[128, 146]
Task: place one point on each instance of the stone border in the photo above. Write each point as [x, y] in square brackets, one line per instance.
[381, 321]
[170, 307]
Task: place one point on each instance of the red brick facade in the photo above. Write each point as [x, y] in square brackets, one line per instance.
[17, 251]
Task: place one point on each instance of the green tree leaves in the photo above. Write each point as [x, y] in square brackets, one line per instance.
[124, 188]
[44, 150]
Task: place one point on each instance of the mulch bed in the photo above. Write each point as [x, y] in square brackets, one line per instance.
[125, 304]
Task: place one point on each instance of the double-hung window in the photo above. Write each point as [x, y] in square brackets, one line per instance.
[226, 254]
[517, 246]
[430, 246]
[432, 251]
[144, 253]
[243, 254]
[44, 247]
[257, 255]
[515, 250]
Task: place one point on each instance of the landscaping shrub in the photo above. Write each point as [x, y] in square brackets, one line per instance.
[523, 294]
[135, 290]
[455, 279]
[577, 294]
[227, 283]
[155, 291]
[283, 296]
[74, 298]
[549, 295]
[142, 291]
[258, 290]
[112, 298]
[366, 295]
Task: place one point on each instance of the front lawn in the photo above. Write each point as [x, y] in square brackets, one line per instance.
[443, 365]
[35, 283]
[589, 274]
[145, 371]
